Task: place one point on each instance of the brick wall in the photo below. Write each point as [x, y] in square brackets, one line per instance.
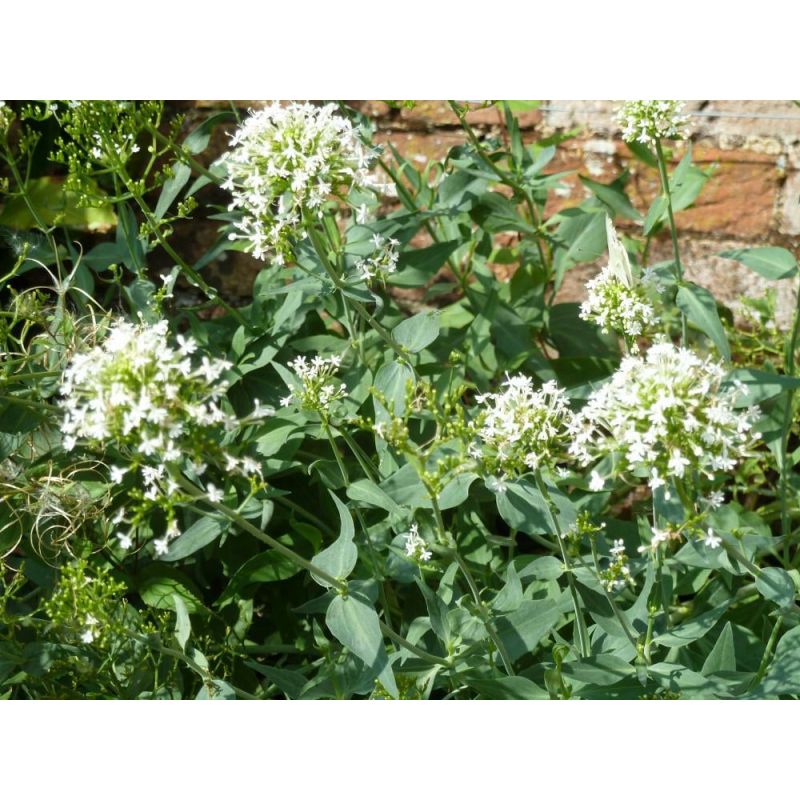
[753, 197]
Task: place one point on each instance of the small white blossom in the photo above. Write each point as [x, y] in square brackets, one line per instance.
[641, 415]
[712, 540]
[647, 121]
[616, 300]
[522, 428]
[381, 263]
[161, 546]
[214, 495]
[317, 390]
[124, 540]
[596, 483]
[287, 161]
[416, 547]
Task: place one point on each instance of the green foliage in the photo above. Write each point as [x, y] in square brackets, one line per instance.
[340, 514]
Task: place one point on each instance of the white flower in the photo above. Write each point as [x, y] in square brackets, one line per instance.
[497, 485]
[381, 263]
[416, 547]
[162, 546]
[616, 300]
[647, 121]
[125, 541]
[214, 495]
[659, 536]
[522, 428]
[711, 540]
[286, 161]
[317, 390]
[87, 637]
[596, 484]
[715, 499]
[663, 415]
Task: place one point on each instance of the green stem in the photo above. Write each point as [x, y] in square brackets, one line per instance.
[580, 623]
[182, 154]
[765, 659]
[335, 583]
[320, 250]
[789, 369]
[504, 177]
[191, 274]
[473, 586]
[615, 609]
[662, 171]
[298, 509]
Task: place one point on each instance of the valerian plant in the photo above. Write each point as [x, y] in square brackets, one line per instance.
[387, 472]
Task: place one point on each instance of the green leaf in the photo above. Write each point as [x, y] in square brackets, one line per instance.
[693, 629]
[366, 492]
[543, 568]
[455, 492]
[495, 213]
[437, 612]
[509, 598]
[183, 625]
[523, 507]
[584, 235]
[783, 675]
[417, 332]
[158, 583]
[775, 263]
[198, 139]
[599, 670]
[507, 687]
[613, 195]
[198, 535]
[417, 267]
[266, 567]
[172, 186]
[291, 683]
[775, 584]
[760, 385]
[354, 622]
[521, 630]
[339, 558]
[722, 657]
[53, 205]
[701, 310]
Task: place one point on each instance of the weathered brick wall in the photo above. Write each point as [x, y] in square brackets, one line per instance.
[753, 197]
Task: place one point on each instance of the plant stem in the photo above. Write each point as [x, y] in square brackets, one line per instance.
[789, 369]
[191, 274]
[662, 171]
[505, 178]
[762, 667]
[580, 623]
[617, 613]
[335, 583]
[473, 586]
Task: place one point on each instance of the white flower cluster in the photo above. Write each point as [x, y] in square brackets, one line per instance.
[616, 300]
[618, 574]
[156, 404]
[382, 262]
[647, 121]
[136, 390]
[317, 390]
[286, 160]
[523, 428]
[416, 546]
[665, 415]
[6, 116]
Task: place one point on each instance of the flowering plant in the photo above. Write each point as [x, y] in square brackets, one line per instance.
[401, 461]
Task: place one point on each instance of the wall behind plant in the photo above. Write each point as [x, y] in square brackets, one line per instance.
[753, 197]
